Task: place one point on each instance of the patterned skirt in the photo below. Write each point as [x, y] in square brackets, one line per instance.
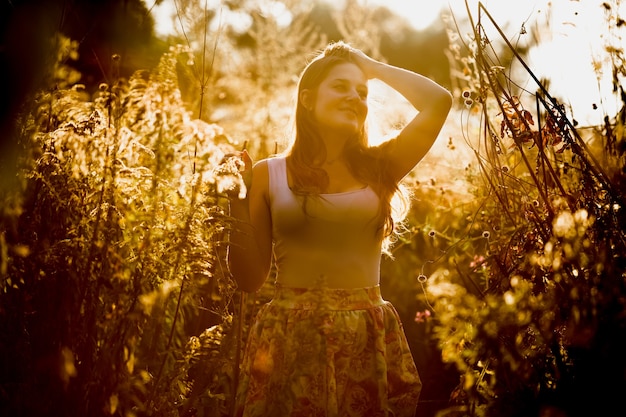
[327, 353]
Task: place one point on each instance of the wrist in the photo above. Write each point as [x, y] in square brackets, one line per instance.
[372, 68]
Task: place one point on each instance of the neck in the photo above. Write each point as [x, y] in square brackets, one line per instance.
[334, 145]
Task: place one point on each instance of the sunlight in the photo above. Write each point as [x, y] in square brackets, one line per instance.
[565, 53]
[572, 56]
[163, 18]
[420, 14]
[123, 230]
[240, 21]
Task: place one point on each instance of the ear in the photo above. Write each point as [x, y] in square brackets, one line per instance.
[306, 98]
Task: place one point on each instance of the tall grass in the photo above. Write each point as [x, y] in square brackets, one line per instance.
[113, 257]
[114, 293]
[536, 325]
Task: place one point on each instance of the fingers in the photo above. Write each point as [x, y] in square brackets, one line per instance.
[234, 173]
[246, 174]
[226, 157]
[244, 156]
[364, 61]
[247, 160]
[240, 163]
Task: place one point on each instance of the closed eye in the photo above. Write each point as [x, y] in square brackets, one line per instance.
[344, 85]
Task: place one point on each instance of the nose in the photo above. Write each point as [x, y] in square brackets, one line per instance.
[353, 94]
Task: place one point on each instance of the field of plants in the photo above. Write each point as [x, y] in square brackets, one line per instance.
[115, 297]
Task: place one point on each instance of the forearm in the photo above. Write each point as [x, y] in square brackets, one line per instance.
[244, 256]
[432, 102]
[420, 91]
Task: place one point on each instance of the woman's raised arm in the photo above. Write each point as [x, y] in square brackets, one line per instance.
[431, 100]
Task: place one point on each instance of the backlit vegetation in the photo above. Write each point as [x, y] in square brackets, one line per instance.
[115, 298]
[533, 317]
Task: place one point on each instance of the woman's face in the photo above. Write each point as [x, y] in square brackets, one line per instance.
[341, 100]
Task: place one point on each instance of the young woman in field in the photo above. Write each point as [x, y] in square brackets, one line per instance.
[328, 344]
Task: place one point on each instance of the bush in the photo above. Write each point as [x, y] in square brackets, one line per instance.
[113, 255]
[537, 327]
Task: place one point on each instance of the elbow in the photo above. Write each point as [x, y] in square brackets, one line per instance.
[445, 100]
[246, 269]
[248, 281]
[442, 104]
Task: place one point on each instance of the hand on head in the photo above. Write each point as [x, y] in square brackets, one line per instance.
[360, 58]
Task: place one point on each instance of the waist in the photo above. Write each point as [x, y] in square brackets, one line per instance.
[319, 298]
[315, 270]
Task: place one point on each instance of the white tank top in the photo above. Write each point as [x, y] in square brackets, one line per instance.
[335, 244]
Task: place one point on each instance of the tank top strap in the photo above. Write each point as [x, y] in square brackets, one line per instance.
[277, 168]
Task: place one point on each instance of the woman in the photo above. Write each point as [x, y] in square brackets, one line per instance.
[328, 344]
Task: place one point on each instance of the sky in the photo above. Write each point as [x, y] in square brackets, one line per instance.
[419, 13]
[572, 35]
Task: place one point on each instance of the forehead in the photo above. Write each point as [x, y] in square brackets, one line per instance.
[346, 71]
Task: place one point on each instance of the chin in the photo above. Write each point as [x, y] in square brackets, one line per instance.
[349, 128]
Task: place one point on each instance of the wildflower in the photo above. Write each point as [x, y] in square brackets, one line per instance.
[486, 234]
[569, 225]
[450, 144]
[422, 316]
[431, 233]
[466, 94]
[509, 298]
[563, 225]
[478, 261]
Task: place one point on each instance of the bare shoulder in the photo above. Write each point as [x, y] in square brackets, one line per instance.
[260, 173]
[261, 169]
[260, 166]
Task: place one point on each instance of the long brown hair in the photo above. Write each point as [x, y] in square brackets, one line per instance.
[307, 151]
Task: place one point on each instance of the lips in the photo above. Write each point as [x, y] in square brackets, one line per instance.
[350, 110]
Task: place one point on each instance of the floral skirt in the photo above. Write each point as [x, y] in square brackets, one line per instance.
[327, 353]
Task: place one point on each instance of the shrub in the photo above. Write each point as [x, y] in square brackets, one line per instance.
[537, 326]
[112, 255]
